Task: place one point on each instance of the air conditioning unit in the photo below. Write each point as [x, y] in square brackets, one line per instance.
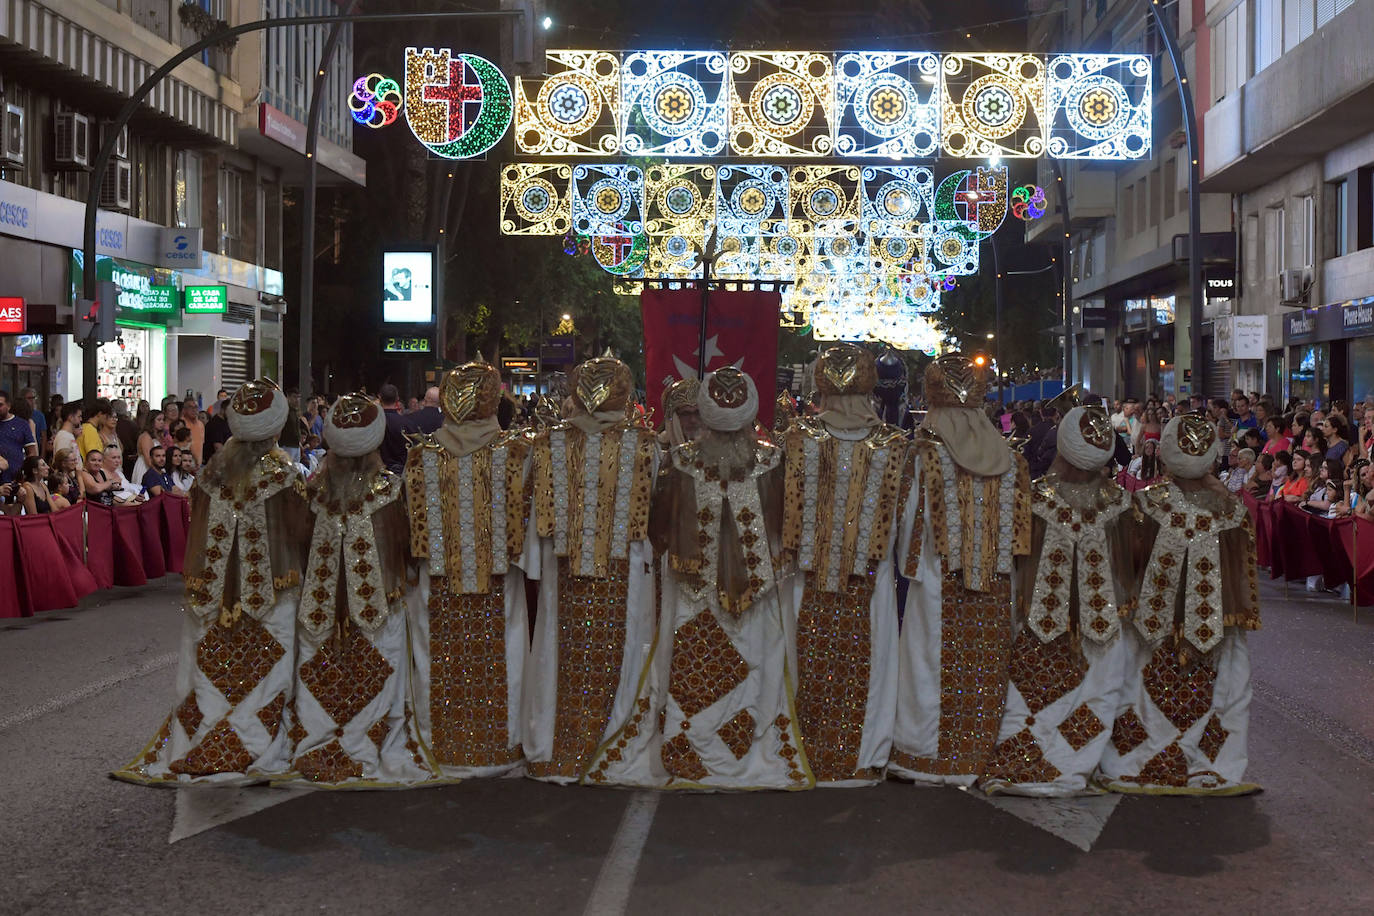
[121, 149]
[12, 141]
[117, 185]
[72, 143]
[1294, 284]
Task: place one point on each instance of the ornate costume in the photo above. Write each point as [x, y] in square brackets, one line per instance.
[1184, 718]
[843, 481]
[1068, 657]
[593, 477]
[355, 726]
[716, 710]
[469, 505]
[249, 526]
[967, 515]
[681, 422]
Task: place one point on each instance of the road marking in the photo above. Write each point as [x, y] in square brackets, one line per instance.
[88, 691]
[1076, 821]
[611, 894]
[200, 808]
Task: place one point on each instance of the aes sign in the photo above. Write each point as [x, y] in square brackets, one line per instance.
[179, 246]
[11, 315]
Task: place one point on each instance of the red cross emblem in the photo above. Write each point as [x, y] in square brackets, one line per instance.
[459, 94]
[620, 245]
[970, 198]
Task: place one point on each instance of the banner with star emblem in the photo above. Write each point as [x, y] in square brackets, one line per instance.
[741, 330]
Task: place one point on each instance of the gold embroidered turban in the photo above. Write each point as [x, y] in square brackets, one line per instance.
[681, 393]
[1189, 447]
[470, 392]
[846, 369]
[602, 384]
[956, 380]
[354, 426]
[728, 400]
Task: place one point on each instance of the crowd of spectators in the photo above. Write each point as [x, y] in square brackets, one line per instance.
[1316, 458]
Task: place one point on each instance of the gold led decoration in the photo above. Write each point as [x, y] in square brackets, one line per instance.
[534, 199]
[782, 103]
[576, 110]
[993, 105]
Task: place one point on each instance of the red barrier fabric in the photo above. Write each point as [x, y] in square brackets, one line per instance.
[44, 566]
[128, 547]
[1295, 544]
[150, 536]
[10, 605]
[1356, 538]
[100, 544]
[52, 561]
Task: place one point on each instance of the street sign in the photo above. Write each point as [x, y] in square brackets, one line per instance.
[206, 300]
[521, 365]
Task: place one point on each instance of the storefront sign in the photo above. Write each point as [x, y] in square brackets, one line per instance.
[150, 299]
[558, 351]
[11, 315]
[1093, 316]
[28, 346]
[1357, 318]
[524, 364]
[179, 247]
[1240, 337]
[206, 300]
[1220, 283]
[1353, 318]
[18, 210]
[1300, 328]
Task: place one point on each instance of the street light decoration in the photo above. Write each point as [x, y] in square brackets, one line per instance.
[575, 111]
[457, 105]
[375, 101]
[1028, 202]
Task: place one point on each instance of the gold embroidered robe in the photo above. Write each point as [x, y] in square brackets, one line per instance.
[1068, 658]
[469, 624]
[1183, 722]
[232, 721]
[842, 492]
[595, 623]
[716, 709]
[960, 533]
[353, 711]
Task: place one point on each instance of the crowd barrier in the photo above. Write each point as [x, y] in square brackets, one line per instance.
[49, 562]
[1295, 544]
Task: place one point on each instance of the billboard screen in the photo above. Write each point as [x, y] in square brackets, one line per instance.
[408, 287]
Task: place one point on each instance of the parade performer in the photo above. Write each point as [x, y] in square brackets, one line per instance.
[249, 529]
[1182, 725]
[716, 711]
[593, 477]
[967, 515]
[353, 661]
[681, 423]
[469, 509]
[843, 480]
[1068, 657]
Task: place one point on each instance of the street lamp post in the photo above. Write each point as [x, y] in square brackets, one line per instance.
[107, 147]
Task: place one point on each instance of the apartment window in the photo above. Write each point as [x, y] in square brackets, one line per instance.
[1168, 181]
[1158, 190]
[1309, 230]
[1251, 243]
[1142, 203]
[187, 189]
[1127, 213]
[1275, 253]
[1337, 241]
[230, 204]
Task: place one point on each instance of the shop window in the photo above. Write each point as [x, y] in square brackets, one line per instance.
[188, 189]
[1275, 255]
[230, 207]
[1361, 356]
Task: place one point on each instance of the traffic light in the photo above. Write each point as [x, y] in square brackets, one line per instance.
[95, 318]
[522, 43]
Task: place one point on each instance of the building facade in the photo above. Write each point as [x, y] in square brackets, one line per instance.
[1128, 221]
[208, 153]
[1291, 136]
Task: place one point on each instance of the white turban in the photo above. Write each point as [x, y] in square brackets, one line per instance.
[354, 426]
[257, 412]
[1082, 441]
[1189, 447]
[728, 400]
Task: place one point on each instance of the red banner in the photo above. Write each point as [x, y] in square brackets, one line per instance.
[741, 329]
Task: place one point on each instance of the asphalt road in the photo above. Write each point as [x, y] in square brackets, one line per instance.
[80, 692]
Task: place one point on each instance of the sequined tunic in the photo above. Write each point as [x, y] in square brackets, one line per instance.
[468, 518]
[841, 502]
[960, 533]
[596, 611]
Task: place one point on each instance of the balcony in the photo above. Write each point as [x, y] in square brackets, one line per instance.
[1310, 101]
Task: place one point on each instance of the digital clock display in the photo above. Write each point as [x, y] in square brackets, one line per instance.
[406, 345]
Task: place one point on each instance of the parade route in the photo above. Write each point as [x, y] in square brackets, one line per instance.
[84, 688]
